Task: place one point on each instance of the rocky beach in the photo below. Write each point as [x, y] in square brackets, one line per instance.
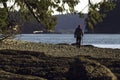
[21, 60]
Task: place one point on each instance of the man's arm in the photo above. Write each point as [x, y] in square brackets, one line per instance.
[82, 32]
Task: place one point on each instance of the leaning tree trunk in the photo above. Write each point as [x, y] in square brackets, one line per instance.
[7, 31]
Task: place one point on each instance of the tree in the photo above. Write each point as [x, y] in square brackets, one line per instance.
[42, 11]
[97, 12]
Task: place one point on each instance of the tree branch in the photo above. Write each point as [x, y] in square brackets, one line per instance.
[31, 10]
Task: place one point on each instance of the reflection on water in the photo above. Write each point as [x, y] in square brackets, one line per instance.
[99, 40]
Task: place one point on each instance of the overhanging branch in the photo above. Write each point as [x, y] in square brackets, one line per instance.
[31, 10]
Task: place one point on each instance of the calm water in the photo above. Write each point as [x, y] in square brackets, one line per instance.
[99, 40]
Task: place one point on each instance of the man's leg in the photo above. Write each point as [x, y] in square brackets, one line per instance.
[79, 42]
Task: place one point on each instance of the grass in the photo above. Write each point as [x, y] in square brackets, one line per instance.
[33, 61]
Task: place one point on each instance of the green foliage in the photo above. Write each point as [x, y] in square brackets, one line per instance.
[3, 19]
[41, 10]
[97, 12]
[3, 0]
[107, 6]
[81, 14]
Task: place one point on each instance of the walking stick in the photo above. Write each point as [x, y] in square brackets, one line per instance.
[82, 40]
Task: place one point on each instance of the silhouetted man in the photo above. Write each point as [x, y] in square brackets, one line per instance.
[78, 35]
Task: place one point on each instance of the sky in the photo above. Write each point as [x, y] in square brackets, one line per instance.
[82, 6]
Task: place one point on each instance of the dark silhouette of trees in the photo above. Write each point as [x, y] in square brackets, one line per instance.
[97, 12]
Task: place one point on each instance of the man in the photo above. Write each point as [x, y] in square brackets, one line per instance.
[78, 34]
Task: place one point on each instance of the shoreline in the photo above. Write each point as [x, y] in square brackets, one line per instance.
[60, 50]
[111, 46]
[109, 42]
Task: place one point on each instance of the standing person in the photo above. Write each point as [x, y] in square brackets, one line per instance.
[78, 34]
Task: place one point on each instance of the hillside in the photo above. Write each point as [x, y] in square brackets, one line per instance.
[68, 22]
[65, 24]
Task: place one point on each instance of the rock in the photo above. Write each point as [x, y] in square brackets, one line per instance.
[87, 45]
[63, 44]
[85, 69]
[74, 44]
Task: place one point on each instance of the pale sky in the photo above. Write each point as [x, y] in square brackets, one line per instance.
[82, 6]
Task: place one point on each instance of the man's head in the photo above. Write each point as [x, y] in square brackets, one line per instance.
[80, 26]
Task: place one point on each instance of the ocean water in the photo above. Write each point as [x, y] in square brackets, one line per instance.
[98, 40]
